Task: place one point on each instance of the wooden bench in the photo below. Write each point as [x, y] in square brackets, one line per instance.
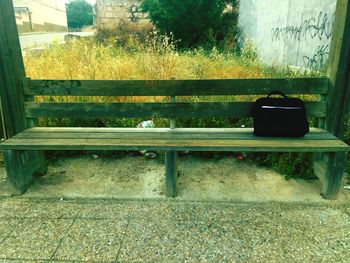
[330, 152]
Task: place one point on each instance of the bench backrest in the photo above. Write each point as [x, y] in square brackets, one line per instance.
[165, 109]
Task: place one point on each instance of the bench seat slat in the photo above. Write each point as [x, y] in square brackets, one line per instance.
[204, 139]
[261, 86]
[150, 110]
[184, 133]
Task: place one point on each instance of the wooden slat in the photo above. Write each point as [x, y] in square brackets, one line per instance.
[339, 70]
[171, 172]
[38, 130]
[205, 140]
[11, 71]
[20, 166]
[184, 145]
[175, 87]
[150, 110]
[156, 133]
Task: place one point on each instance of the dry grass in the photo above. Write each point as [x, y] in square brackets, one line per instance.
[155, 58]
[87, 59]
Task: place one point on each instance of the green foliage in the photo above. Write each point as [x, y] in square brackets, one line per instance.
[79, 14]
[291, 165]
[194, 23]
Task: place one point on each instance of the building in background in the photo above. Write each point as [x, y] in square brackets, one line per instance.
[40, 15]
[289, 32]
[111, 13]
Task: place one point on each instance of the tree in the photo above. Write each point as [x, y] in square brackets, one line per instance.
[192, 22]
[79, 14]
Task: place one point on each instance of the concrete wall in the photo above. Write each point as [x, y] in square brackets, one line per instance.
[289, 32]
[110, 13]
[40, 15]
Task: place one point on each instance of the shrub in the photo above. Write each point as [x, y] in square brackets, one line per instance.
[206, 25]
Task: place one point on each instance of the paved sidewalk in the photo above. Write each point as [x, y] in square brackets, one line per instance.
[112, 230]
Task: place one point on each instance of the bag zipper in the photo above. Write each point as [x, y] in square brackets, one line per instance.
[281, 107]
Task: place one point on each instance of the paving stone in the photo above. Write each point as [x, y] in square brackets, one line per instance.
[323, 216]
[90, 239]
[3, 260]
[111, 210]
[13, 208]
[172, 231]
[176, 241]
[34, 239]
[52, 210]
[288, 241]
[6, 227]
[7, 260]
[172, 210]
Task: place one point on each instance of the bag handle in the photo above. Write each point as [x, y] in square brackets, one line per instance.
[277, 93]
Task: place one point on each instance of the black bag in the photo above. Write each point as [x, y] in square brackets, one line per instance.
[280, 117]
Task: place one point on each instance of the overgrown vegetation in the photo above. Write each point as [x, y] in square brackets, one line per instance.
[205, 23]
[156, 57]
[79, 14]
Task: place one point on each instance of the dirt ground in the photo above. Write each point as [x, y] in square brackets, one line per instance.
[226, 179]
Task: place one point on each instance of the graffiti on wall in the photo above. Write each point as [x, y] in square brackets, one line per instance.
[319, 58]
[310, 28]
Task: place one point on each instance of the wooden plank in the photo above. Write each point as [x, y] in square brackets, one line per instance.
[175, 87]
[169, 144]
[159, 133]
[11, 70]
[338, 71]
[173, 136]
[171, 172]
[34, 130]
[153, 110]
[320, 169]
[333, 174]
[18, 176]
[150, 130]
[338, 97]
[20, 165]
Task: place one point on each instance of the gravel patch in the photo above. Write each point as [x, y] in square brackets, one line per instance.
[34, 239]
[87, 240]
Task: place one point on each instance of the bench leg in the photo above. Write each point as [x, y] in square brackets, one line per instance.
[330, 171]
[21, 166]
[42, 163]
[171, 171]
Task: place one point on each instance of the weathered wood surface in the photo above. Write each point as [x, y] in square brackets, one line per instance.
[331, 173]
[329, 167]
[171, 140]
[11, 70]
[171, 172]
[175, 87]
[207, 131]
[20, 165]
[339, 70]
[158, 133]
[18, 173]
[153, 110]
